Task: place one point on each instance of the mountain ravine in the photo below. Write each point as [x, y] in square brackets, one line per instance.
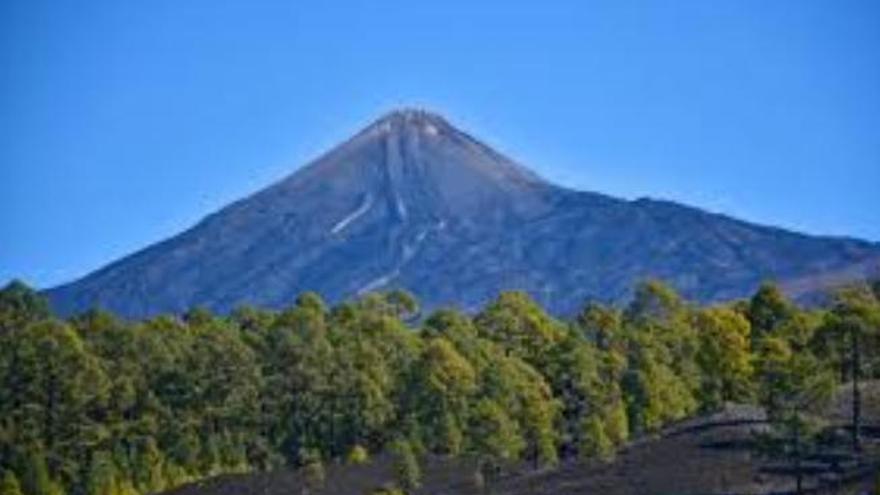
[412, 202]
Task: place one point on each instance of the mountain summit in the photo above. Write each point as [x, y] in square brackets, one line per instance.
[419, 167]
[413, 202]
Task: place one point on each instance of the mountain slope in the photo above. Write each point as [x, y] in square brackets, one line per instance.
[413, 202]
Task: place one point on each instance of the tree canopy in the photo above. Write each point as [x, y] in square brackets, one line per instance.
[97, 405]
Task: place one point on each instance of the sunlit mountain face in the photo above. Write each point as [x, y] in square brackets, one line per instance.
[412, 202]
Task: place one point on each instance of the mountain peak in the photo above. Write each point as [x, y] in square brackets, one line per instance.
[416, 149]
[413, 119]
[411, 114]
[411, 201]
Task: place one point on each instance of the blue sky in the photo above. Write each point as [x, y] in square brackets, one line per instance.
[123, 123]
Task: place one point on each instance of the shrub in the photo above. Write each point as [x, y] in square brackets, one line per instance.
[313, 469]
[358, 455]
[406, 466]
[595, 442]
[9, 484]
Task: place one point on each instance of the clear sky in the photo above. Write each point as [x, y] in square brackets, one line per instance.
[122, 123]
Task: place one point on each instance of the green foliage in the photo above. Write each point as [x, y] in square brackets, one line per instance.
[357, 455]
[406, 465]
[595, 442]
[852, 335]
[443, 382]
[20, 305]
[768, 309]
[9, 484]
[663, 376]
[403, 304]
[98, 405]
[102, 478]
[791, 382]
[724, 357]
[655, 302]
[655, 394]
[35, 476]
[493, 433]
[147, 467]
[520, 325]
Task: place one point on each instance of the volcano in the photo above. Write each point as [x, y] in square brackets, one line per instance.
[412, 202]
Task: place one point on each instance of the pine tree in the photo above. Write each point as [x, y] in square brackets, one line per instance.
[767, 310]
[595, 443]
[20, 305]
[724, 357]
[853, 322]
[493, 434]
[9, 484]
[442, 384]
[36, 479]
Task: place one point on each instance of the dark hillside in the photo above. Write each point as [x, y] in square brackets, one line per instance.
[711, 455]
